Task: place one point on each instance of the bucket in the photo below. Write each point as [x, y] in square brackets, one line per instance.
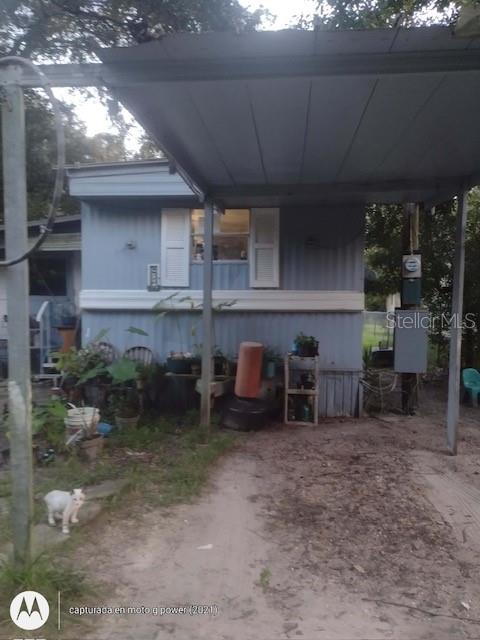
[81, 419]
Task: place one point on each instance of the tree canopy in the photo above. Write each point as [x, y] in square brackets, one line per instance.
[75, 29]
[41, 151]
[60, 30]
[370, 14]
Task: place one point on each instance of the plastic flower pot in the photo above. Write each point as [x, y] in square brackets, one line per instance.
[126, 423]
[91, 447]
[179, 365]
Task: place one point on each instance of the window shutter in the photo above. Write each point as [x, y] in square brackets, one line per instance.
[264, 248]
[175, 248]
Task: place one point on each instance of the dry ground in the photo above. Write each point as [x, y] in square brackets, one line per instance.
[353, 529]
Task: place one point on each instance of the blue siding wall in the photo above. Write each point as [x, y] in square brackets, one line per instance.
[339, 333]
[226, 275]
[106, 261]
[144, 179]
[322, 249]
[319, 249]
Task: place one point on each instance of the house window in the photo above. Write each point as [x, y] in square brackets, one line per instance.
[48, 276]
[230, 235]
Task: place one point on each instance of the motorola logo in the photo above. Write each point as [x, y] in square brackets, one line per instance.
[29, 610]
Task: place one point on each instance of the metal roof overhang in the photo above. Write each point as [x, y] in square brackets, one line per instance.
[302, 117]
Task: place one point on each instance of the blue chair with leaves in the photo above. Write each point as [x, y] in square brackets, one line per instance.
[471, 383]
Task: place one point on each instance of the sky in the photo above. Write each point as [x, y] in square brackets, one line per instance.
[94, 114]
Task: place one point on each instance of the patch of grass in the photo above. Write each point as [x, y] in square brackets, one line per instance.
[5, 488]
[5, 529]
[184, 476]
[68, 474]
[73, 473]
[145, 437]
[64, 474]
[264, 580]
[181, 454]
[181, 466]
[373, 334]
[48, 576]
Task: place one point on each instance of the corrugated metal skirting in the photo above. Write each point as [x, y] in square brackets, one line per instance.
[339, 335]
[339, 394]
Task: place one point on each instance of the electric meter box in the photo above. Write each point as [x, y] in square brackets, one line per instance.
[410, 341]
[412, 265]
[412, 291]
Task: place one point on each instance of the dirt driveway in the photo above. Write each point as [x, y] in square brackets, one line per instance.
[338, 532]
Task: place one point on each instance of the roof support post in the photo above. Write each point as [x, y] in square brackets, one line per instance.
[19, 386]
[411, 213]
[454, 366]
[207, 314]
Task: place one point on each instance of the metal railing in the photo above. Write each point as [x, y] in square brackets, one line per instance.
[44, 334]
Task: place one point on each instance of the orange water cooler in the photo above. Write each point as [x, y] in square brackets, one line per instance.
[245, 411]
[249, 370]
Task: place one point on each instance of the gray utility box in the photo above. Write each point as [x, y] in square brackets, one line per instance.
[410, 341]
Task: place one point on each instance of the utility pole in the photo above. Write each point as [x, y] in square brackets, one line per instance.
[16, 243]
[411, 243]
[454, 363]
[207, 315]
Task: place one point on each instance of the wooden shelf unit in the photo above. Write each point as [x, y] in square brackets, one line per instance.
[295, 367]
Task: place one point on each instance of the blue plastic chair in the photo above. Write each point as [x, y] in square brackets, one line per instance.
[471, 382]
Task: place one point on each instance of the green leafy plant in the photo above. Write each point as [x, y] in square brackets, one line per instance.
[304, 340]
[83, 364]
[122, 371]
[367, 357]
[264, 580]
[136, 331]
[124, 402]
[306, 344]
[92, 362]
[48, 422]
[165, 306]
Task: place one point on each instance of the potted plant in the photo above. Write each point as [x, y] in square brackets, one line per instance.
[151, 383]
[219, 362]
[306, 346]
[124, 400]
[91, 444]
[84, 374]
[179, 362]
[125, 407]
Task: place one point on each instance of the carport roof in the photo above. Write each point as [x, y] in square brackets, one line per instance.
[263, 118]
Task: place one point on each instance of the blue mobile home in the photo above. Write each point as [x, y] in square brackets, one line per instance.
[277, 271]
